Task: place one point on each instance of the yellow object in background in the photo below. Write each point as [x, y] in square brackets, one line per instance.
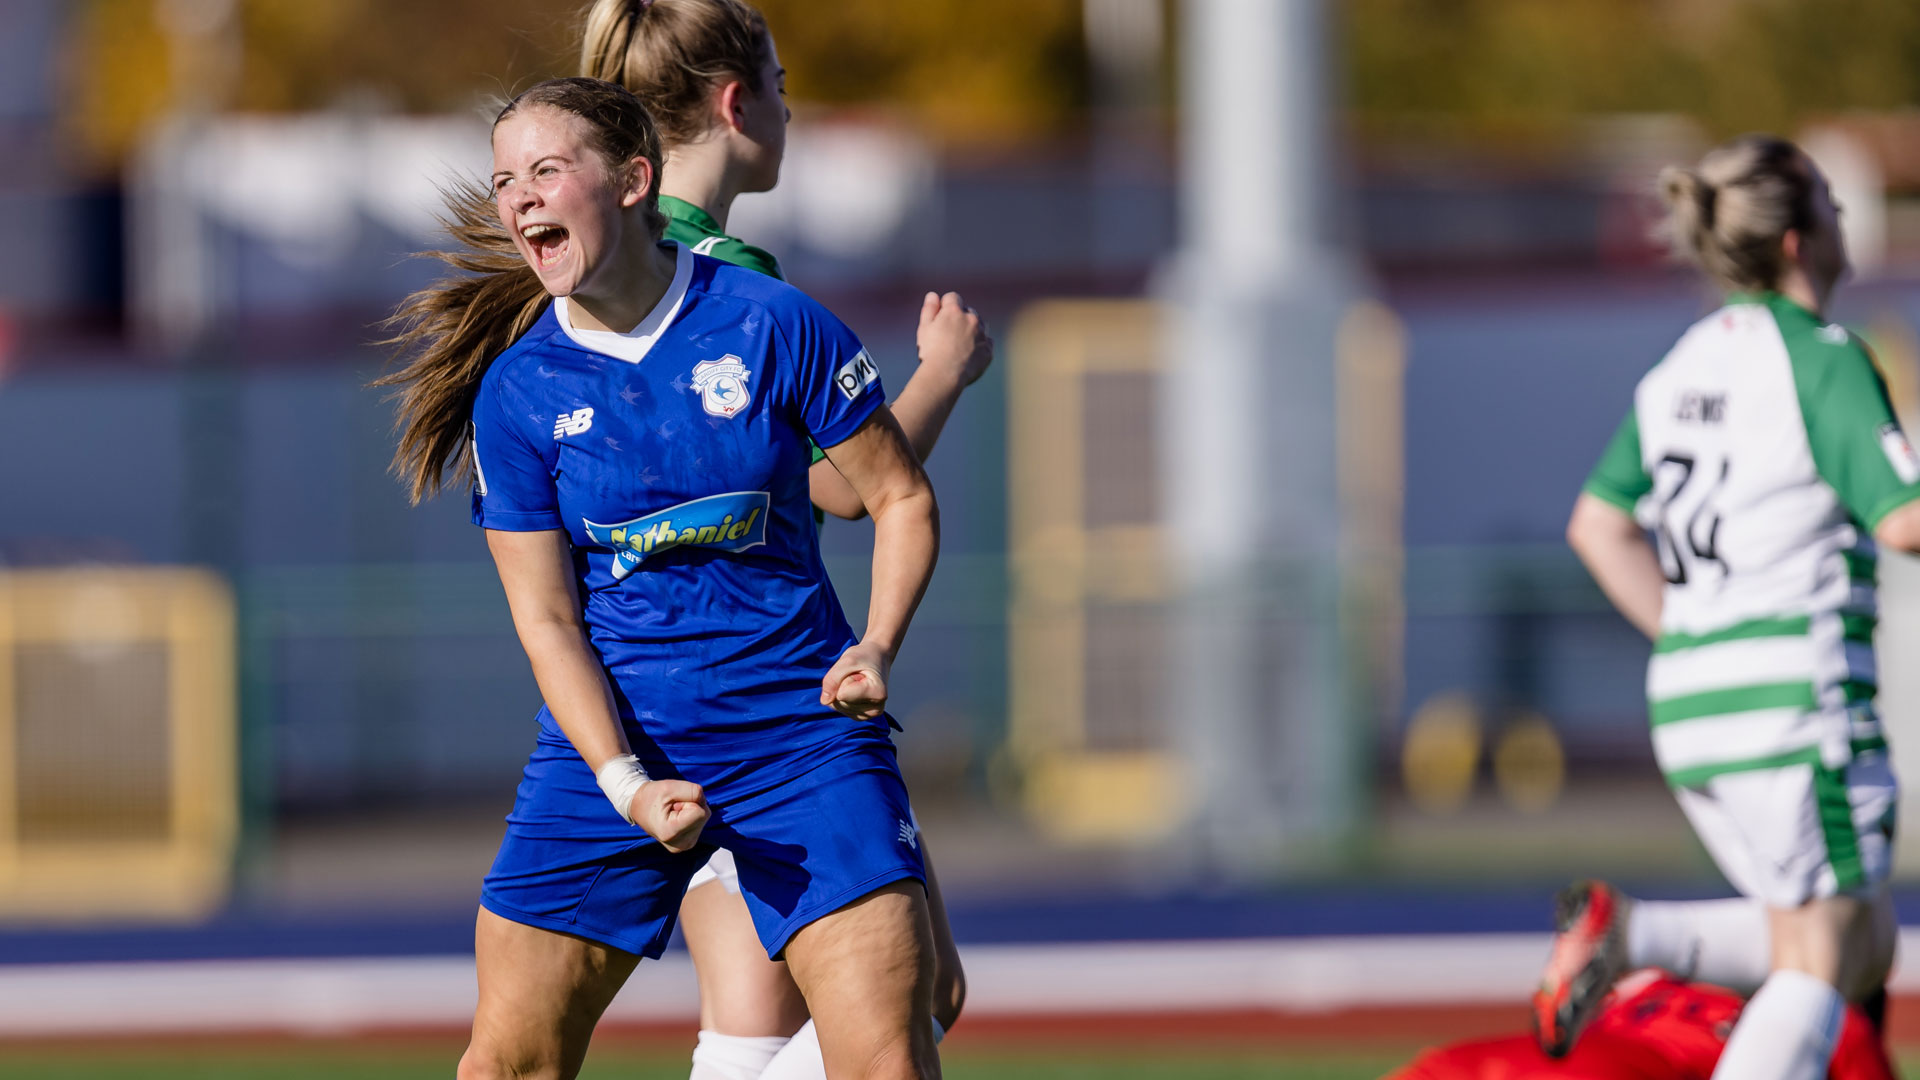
[1440, 753]
[119, 784]
[1529, 765]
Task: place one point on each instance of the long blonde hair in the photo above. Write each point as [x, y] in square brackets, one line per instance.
[455, 328]
[1728, 214]
[674, 53]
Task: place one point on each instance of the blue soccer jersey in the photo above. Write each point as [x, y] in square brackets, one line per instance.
[675, 458]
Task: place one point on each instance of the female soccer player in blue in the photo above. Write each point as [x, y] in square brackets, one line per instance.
[639, 450]
[710, 76]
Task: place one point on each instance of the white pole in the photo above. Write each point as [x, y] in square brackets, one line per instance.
[1257, 674]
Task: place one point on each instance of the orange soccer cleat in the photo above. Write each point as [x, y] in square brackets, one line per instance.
[1589, 956]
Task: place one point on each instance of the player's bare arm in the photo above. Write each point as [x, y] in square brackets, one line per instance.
[955, 350]
[1900, 530]
[880, 464]
[1615, 551]
[536, 570]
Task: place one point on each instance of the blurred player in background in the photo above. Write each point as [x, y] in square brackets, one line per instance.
[1651, 1027]
[1763, 454]
[640, 451]
[709, 74]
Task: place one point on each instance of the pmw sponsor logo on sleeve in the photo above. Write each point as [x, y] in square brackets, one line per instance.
[856, 375]
[735, 521]
[1893, 443]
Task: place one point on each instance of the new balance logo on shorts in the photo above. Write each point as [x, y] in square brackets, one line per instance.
[572, 423]
[910, 836]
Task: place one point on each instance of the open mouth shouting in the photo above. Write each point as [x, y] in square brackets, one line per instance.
[549, 243]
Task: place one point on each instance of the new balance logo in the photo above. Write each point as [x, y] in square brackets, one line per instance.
[909, 835]
[572, 423]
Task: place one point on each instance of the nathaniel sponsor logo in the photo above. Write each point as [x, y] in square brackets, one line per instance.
[856, 375]
[735, 521]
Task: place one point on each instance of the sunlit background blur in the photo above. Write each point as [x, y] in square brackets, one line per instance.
[248, 693]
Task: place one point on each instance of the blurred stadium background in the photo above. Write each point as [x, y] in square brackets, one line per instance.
[1257, 707]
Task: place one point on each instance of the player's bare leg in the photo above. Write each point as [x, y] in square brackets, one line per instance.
[741, 991]
[541, 993]
[867, 973]
[949, 978]
[800, 1059]
[749, 1006]
[1847, 942]
[1825, 951]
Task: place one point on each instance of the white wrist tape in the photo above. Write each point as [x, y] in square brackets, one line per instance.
[621, 778]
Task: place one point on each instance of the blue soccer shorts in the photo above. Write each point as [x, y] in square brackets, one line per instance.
[837, 830]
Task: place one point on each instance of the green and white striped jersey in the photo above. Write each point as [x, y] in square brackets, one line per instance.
[1761, 452]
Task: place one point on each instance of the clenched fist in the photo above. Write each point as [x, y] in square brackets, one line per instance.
[952, 339]
[671, 811]
[856, 685]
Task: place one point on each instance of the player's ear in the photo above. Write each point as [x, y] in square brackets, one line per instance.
[730, 104]
[1791, 244]
[638, 181]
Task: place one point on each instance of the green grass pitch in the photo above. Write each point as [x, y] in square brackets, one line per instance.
[328, 1061]
[398, 1063]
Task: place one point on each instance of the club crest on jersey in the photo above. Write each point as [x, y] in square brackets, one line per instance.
[735, 521]
[723, 385]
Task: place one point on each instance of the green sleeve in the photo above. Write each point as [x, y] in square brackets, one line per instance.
[741, 253]
[1621, 476]
[1857, 443]
[816, 456]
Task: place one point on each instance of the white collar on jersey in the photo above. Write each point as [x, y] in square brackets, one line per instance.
[634, 345]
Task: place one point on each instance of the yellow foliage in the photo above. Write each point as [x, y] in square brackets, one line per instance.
[979, 69]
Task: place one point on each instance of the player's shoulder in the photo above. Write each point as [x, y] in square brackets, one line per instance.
[1814, 343]
[725, 282]
[529, 359]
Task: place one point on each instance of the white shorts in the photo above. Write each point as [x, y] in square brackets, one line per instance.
[1788, 835]
[719, 868]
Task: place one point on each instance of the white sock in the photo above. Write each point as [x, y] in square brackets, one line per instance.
[800, 1059]
[734, 1057]
[1786, 1032]
[1723, 942]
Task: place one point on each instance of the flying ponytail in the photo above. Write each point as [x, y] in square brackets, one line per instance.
[453, 329]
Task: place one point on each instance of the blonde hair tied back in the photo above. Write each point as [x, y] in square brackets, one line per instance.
[1729, 214]
[673, 54]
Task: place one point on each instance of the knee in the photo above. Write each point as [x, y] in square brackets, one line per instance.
[479, 1066]
[902, 1060]
[484, 1063]
[1869, 975]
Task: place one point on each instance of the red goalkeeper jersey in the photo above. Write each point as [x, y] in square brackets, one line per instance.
[1655, 1028]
